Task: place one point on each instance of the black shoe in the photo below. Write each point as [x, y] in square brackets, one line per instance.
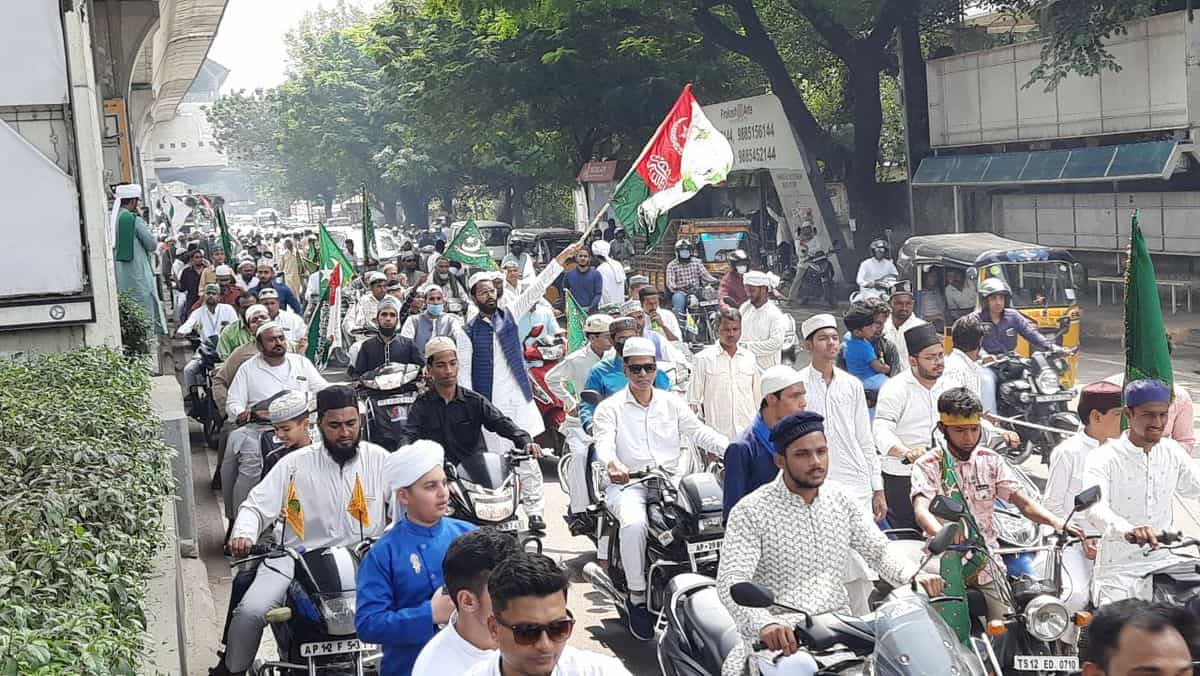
[216, 481]
[579, 524]
[222, 670]
[641, 623]
[537, 523]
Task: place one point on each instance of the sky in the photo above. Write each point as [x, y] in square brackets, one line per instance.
[250, 39]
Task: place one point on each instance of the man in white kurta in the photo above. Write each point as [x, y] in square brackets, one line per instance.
[324, 476]
[725, 383]
[613, 273]
[1100, 411]
[506, 391]
[763, 323]
[1139, 475]
[567, 380]
[902, 319]
[873, 269]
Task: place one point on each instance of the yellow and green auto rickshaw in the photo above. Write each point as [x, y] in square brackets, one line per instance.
[945, 271]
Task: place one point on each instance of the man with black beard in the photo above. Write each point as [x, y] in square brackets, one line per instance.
[388, 345]
[323, 476]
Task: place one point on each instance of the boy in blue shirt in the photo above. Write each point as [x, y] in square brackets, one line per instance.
[862, 360]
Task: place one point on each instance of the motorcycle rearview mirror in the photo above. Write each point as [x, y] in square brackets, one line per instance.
[590, 396]
[750, 595]
[1086, 498]
[947, 508]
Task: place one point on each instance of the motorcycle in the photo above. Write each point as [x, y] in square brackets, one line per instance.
[542, 353]
[1177, 581]
[886, 284]
[814, 277]
[204, 409]
[1030, 389]
[484, 490]
[685, 531]
[898, 639]
[315, 631]
[385, 396]
[701, 318]
[1034, 635]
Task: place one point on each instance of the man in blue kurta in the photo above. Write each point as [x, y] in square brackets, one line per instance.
[608, 376]
[133, 249]
[750, 459]
[401, 599]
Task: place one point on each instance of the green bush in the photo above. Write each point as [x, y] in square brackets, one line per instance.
[83, 473]
[136, 327]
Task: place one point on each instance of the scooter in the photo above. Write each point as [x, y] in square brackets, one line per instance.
[901, 638]
[315, 630]
[385, 396]
[542, 353]
[685, 531]
[484, 490]
[814, 277]
[204, 409]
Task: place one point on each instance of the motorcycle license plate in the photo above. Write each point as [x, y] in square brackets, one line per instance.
[1046, 663]
[1061, 396]
[507, 525]
[396, 401]
[706, 546]
[347, 645]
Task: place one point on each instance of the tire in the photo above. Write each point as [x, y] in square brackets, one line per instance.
[564, 466]
[1021, 453]
[212, 425]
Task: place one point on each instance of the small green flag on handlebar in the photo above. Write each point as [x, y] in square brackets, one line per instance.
[576, 318]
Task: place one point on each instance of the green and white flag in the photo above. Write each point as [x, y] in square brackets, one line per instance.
[686, 154]
[369, 253]
[325, 327]
[468, 248]
[223, 230]
[576, 318]
[1146, 353]
[177, 212]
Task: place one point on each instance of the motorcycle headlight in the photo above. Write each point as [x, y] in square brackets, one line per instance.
[1047, 382]
[1047, 618]
[338, 611]
[710, 524]
[710, 293]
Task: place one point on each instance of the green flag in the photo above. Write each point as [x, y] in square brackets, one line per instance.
[325, 327]
[468, 248]
[223, 228]
[576, 318]
[1146, 354]
[369, 254]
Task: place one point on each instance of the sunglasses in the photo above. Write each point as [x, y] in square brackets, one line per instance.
[642, 368]
[528, 633]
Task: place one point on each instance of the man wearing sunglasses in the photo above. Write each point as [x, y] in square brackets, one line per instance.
[530, 624]
[636, 428]
[608, 375]
[466, 639]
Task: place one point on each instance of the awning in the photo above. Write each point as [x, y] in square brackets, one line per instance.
[1123, 162]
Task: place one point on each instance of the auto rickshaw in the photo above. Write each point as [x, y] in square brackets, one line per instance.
[712, 240]
[946, 269]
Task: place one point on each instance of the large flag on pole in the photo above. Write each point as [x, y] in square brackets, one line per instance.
[178, 212]
[223, 229]
[369, 254]
[1146, 353]
[468, 248]
[325, 327]
[686, 154]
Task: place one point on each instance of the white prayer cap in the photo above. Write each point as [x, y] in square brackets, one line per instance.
[510, 261]
[429, 287]
[779, 377]
[597, 324]
[601, 247]
[438, 345]
[289, 406]
[267, 293]
[128, 191]
[409, 463]
[481, 276]
[816, 323]
[265, 327]
[257, 309]
[388, 302]
[244, 262]
[631, 307]
[637, 347]
[224, 270]
[756, 278]
[374, 276]
[265, 263]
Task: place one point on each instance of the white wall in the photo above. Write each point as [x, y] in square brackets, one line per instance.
[1101, 221]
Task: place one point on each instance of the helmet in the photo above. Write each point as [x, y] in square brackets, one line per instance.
[992, 286]
[738, 256]
[683, 244]
[879, 243]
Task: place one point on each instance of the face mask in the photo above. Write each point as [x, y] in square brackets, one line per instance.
[684, 255]
[742, 269]
[434, 309]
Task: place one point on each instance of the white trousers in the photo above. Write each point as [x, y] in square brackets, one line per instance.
[796, 664]
[533, 495]
[267, 592]
[577, 442]
[630, 507]
[858, 577]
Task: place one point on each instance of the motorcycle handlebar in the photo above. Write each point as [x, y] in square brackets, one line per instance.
[1166, 537]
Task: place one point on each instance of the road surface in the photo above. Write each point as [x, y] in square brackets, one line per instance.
[597, 627]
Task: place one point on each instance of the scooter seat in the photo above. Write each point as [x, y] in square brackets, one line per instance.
[711, 628]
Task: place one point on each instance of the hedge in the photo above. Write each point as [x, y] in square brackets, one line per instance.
[83, 474]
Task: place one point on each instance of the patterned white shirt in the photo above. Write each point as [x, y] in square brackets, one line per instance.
[800, 552]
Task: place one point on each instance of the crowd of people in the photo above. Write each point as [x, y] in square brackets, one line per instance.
[803, 450]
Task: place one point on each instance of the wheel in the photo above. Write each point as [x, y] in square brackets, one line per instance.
[564, 466]
[212, 425]
[1021, 453]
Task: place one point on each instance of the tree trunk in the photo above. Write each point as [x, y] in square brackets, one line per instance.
[328, 201]
[416, 207]
[447, 199]
[914, 93]
[505, 211]
[867, 201]
[391, 210]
